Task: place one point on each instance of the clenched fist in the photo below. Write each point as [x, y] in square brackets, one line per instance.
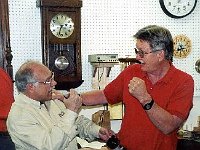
[73, 102]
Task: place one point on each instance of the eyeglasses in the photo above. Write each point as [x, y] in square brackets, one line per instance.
[48, 81]
[142, 53]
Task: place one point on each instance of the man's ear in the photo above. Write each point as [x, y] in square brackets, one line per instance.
[30, 87]
[161, 55]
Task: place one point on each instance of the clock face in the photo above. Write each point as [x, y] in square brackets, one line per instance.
[182, 46]
[61, 26]
[178, 8]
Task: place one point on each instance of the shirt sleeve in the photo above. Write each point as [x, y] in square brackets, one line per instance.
[182, 101]
[6, 94]
[88, 130]
[117, 85]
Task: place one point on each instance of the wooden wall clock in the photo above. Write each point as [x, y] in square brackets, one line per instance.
[61, 40]
[182, 46]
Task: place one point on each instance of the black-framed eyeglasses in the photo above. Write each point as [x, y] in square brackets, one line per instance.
[48, 81]
[142, 53]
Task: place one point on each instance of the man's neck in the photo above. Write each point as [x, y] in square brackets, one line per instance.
[155, 76]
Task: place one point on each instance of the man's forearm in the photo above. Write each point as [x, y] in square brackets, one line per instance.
[163, 120]
[95, 97]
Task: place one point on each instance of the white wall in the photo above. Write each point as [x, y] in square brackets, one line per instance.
[107, 27]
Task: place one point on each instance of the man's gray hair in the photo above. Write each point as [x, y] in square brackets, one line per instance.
[25, 75]
[159, 38]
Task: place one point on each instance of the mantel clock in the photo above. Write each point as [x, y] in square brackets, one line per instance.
[61, 40]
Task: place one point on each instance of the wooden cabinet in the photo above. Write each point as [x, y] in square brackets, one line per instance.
[5, 49]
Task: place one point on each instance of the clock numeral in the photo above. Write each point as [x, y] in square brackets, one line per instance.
[60, 34]
[184, 8]
[169, 3]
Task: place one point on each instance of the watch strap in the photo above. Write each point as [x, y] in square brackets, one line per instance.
[148, 105]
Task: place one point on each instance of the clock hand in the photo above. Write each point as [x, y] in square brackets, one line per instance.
[60, 29]
[180, 47]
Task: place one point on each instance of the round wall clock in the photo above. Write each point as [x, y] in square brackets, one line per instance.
[178, 8]
[182, 46]
[61, 26]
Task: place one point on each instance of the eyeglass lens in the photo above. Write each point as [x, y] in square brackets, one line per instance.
[139, 52]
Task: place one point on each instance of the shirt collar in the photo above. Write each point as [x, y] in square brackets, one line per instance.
[24, 99]
[168, 76]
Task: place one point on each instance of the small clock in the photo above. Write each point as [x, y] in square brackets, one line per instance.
[178, 8]
[182, 46]
[197, 66]
[61, 26]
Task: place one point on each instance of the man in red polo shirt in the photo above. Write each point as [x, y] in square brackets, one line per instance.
[6, 99]
[157, 96]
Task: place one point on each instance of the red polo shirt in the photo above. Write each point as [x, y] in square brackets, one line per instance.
[6, 97]
[174, 93]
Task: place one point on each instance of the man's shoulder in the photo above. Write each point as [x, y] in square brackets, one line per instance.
[181, 74]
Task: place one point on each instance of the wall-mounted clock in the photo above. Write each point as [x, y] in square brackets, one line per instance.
[182, 46]
[61, 40]
[197, 65]
[178, 8]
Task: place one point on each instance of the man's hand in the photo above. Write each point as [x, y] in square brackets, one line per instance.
[105, 134]
[57, 95]
[137, 88]
[73, 102]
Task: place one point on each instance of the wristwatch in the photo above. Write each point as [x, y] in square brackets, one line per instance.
[149, 105]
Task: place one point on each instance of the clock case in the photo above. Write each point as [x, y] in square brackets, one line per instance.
[65, 50]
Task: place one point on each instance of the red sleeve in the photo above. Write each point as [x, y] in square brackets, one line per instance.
[182, 102]
[114, 90]
[6, 94]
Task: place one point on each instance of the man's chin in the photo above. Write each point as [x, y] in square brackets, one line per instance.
[49, 97]
[143, 68]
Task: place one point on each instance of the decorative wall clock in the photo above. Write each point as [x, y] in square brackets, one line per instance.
[197, 65]
[182, 46]
[61, 40]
